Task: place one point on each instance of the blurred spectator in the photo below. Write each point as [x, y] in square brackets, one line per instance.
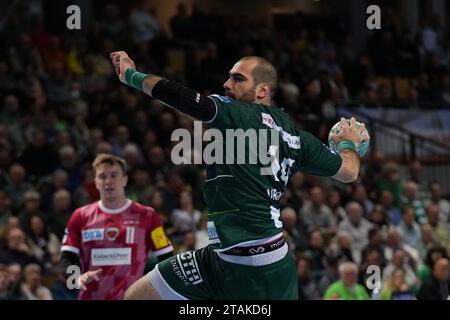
[316, 214]
[335, 204]
[144, 25]
[44, 245]
[181, 24]
[396, 287]
[437, 197]
[186, 217]
[393, 212]
[330, 275]
[426, 241]
[316, 254]
[307, 287]
[31, 206]
[356, 225]
[395, 242]
[440, 230]
[399, 262]
[5, 213]
[202, 235]
[69, 163]
[60, 212]
[17, 187]
[4, 283]
[411, 198]
[17, 250]
[390, 181]
[379, 218]
[32, 287]
[359, 194]
[341, 249]
[39, 149]
[437, 285]
[347, 288]
[409, 228]
[433, 254]
[296, 240]
[15, 280]
[141, 190]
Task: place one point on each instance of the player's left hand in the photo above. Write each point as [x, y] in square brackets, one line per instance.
[121, 62]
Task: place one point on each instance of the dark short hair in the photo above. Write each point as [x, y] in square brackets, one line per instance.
[109, 159]
[264, 72]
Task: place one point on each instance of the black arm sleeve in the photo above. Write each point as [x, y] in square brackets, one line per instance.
[67, 259]
[185, 100]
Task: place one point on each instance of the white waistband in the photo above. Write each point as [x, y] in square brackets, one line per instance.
[258, 259]
[251, 242]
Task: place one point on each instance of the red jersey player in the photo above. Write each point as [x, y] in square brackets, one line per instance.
[110, 239]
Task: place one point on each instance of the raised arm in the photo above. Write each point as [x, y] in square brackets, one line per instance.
[171, 93]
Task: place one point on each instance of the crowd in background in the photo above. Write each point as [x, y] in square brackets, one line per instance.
[61, 104]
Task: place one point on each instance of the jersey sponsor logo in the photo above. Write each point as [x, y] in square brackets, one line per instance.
[129, 222]
[159, 238]
[111, 256]
[257, 250]
[212, 233]
[224, 99]
[292, 141]
[274, 194]
[92, 234]
[112, 233]
[189, 267]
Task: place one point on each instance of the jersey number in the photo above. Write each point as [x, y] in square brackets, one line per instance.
[283, 170]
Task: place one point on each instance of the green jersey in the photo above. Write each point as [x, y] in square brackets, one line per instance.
[242, 193]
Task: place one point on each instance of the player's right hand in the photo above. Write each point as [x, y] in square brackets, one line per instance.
[351, 132]
[87, 277]
[121, 62]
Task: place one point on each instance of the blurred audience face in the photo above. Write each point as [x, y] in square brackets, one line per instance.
[5, 202]
[15, 238]
[157, 200]
[303, 269]
[17, 174]
[189, 241]
[348, 273]
[156, 156]
[4, 280]
[436, 191]
[316, 239]
[398, 280]
[399, 258]
[61, 201]
[354, 212]
[334, 199]
[15, 273]
[32, 275]
[37, 225]
[289, 218]
[411, 190]
[185, 199]
[60, 179]
[409, 215]
[441, 269]
[433, 214]
[316, 196]
[426, 233]
[394, 238]
[387, 199]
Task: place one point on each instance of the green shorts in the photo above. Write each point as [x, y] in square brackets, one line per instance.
[203, 275]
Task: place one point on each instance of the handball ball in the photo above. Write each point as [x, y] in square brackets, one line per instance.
[363, 147]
